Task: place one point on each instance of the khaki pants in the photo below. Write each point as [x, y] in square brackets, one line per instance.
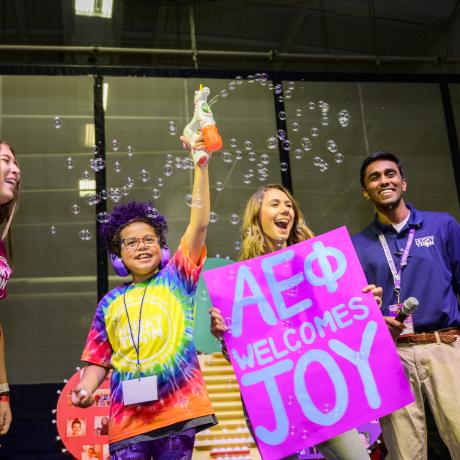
[434, 374]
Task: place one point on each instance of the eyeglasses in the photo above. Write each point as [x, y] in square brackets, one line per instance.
[131, 244]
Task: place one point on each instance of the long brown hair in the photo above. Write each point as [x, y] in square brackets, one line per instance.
[7, 210]
[254, 242]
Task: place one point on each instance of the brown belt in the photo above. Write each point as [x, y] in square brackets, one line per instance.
[442, 336]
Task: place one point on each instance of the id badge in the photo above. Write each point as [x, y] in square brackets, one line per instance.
[408, 323]
[140, 390]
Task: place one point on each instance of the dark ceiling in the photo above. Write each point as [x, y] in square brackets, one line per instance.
[323, 35]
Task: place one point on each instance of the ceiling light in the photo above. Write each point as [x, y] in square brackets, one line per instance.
[99, 8]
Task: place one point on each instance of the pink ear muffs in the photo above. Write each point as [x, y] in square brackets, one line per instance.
[120, 267]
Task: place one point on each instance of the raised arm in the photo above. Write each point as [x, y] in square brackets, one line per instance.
[199, 215]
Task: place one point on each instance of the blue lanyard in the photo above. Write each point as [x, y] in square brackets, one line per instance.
[138, 346]
[397, 273]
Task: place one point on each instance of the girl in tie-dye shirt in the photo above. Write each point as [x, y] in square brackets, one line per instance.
[143, 331]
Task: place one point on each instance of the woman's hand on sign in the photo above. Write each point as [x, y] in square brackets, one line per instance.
[218, 326]
[395, 327]
[5, 417]
[376, 291]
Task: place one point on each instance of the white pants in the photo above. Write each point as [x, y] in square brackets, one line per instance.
[434, 374]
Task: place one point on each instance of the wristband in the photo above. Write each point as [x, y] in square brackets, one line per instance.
[4, 398]
[4, 388]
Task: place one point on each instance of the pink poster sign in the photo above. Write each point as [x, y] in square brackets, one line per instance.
[311, 352]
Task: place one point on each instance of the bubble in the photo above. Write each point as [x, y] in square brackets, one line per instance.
[129, 182]
[144, 175]
[95, 149]
[343, 117]
[188, 162]
[156, 193]
[291, 86]
[298, 154]
[287, 94]
[248, 145]
[263, 77]
[326, 408]
[92, 200]
[292, 430]
[272, 143]
[251, 172]
[86, 175]
[324, 107]
[53, 230]
[160, 182]
[314, 132]
[227, 157]
[278, 89]
[252, 156]
[189, 199]
[239, 80]
[284, 166]
[234, 219]
[57, 122]
[131, 150]
[238, 154]
[103, 217]
[331, 146]
[152, 212]
[298, 113]
[290, 400]
[317, 161]
[295, 126]
[75, 208]
[115, 194]
[264, 158]
[311, 105]
[117, 167]
[97, 164]
[178, 162]
[247, 179]
[115, 145]
[125, 190]
[280, 98]
[282, 115]
[213, 217]
[305, 142]
[103, 194]
[172, 128]
[262, 173]
[237, 245]
[281, 134]
[286, 144]
[168, 170]
[324, 121]
[304, 434]
[69, 163]
[219, 186]
[232, 85]
[250, 78]
[85, 234]
[339, 157]
[169, 158]
[233, 143]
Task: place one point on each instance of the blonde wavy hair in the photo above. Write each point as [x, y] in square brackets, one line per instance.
[8, 210]
[254, 241]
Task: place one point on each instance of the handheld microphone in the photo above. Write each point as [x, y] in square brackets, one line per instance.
[409, 306]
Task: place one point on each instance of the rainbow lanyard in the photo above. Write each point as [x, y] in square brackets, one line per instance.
[397, 273]
[138, 346]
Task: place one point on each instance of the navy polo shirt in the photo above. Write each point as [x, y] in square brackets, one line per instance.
[432, 273]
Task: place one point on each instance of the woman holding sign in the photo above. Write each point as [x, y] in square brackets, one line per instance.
[273, 221]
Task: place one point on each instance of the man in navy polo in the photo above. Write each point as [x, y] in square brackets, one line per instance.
[412, 253]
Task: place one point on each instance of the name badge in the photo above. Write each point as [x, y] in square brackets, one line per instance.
[408, 323]
[140, 390]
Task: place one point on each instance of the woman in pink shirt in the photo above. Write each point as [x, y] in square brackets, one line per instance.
[10, 177]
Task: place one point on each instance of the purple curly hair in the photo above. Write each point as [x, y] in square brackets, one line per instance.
[125, 214]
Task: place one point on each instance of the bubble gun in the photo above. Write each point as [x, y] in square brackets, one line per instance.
[203, 121]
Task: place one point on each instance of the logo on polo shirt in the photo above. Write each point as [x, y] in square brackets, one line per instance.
[425, 241]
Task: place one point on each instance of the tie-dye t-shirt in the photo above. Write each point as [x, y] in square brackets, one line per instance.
[166, 348]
